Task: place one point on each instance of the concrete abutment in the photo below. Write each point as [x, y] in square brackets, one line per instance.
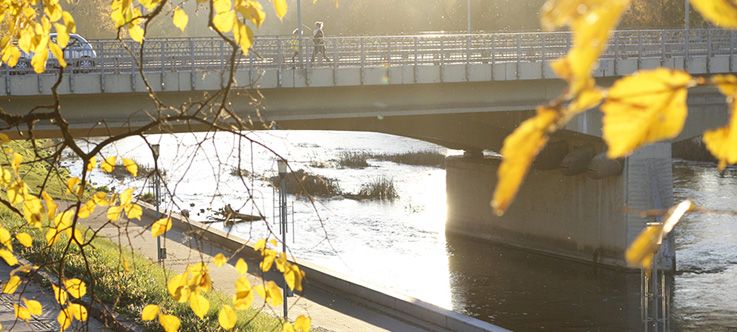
[574, 216]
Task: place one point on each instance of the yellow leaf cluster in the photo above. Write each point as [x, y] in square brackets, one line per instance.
[291, 272]
[644, 108]
[720, 12]
[243, 297]
[270, 292]
[190, 287]
[161, 226]
[28, 309]
[132, 210]
[643, 249]
[27, 25]
[591, 22]
[722, 142]
[302, 324]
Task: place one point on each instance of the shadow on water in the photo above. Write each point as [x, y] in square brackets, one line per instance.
[523, 291]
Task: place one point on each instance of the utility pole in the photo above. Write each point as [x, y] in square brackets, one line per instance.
[160, 252]
[282, 167]
[300, 34]
[686, 26]
[468, 16]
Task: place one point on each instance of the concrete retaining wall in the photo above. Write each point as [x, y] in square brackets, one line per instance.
[422, 314]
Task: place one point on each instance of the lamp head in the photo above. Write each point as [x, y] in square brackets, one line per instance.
[282, 166]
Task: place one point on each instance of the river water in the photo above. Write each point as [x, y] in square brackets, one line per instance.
[402, 245]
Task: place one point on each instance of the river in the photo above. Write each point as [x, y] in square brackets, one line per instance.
[402, 245]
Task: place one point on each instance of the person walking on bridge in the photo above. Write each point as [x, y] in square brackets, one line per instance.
[294, 45]
[318, 38]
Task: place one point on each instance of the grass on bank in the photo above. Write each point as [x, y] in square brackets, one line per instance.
[301, 183]
[103, 267]
[126, 281]
[377, 189]
[415, 158]
[354, 159]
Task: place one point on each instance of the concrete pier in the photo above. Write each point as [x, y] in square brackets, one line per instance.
[571, 216]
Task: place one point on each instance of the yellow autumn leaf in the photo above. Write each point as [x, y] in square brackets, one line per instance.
[34, 307]
[243, 297]
[50, 205]
[287, 327]
[160, 227]
[60, 295]
[133, 211]
[518, 152]
[92, 164]
[169, 323]
[643, 249]
[227, 317]
[108, 164]
[268, 260]
[21, 312]
[100, 198]
[199, 305]
[293, 275]
[17, 160]
[131, 166]
[219, 260]
[8, 257]
[224, 21]
[64, 319]
[241, 266]
[591, 25]
[720, 12]
[722, 142]
[643, 108]
[38, 61]
[136, 33]
[303, 323]
[5, 238]
[149, 312]
[58, 54]
[126, 196]
[180, 18]
[11, 285]
[78, 311]
[25, 239]
[77, 288]
[280, 6]
[113, 212]
[271, 293]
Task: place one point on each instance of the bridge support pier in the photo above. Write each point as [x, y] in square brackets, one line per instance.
[572, 216]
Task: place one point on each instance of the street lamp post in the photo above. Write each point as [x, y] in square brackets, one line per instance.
[468, 16]
[686, 26]
[299, 32]
[282, 167]
[160, 252]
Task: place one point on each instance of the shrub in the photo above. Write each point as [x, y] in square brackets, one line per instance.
[378, 189]
[353, 159]
[301, 183]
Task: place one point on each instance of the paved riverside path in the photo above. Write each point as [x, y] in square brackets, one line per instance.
[34, 291]
[327, 311]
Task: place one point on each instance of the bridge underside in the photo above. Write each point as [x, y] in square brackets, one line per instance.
[561, 208]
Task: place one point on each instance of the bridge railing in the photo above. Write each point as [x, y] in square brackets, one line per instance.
[205, 54]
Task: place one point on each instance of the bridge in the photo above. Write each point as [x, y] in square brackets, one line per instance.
[464, 91]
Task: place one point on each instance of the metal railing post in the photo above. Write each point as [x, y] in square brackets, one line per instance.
[363, 56]
[518, 41]
[731, 49]
[191, 64]
[542, 55]
[708, 49]
[415, 41]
